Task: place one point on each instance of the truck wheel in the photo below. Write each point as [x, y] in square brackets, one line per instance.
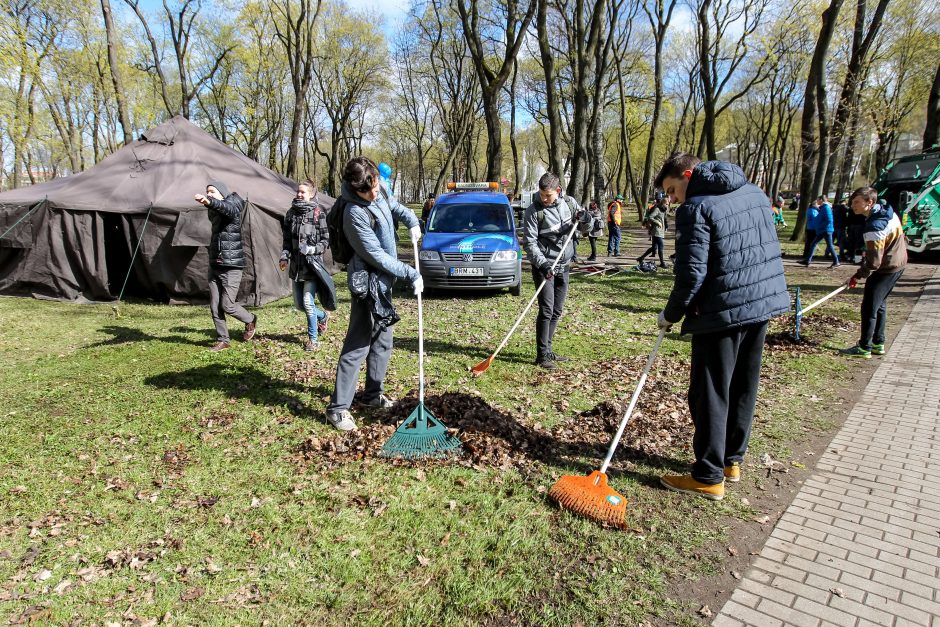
[516, 290]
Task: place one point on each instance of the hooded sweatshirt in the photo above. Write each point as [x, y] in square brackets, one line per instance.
[885, 246]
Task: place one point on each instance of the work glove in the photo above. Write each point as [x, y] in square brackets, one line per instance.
[546, 270]
[418, 285]
[662, 322]
[415, 233]
[852, 282]
[306, 250]
[579, 215]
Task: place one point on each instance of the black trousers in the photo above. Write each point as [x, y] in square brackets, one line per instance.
[722, 394]
[875, 308]
[551, 304]
[657, 246]
[810, 236]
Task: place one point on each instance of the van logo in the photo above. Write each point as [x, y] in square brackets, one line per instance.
[468, 257]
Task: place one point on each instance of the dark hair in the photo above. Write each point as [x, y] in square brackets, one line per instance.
[868, 193]
[549, 181]
[674, 167]
[360, 174]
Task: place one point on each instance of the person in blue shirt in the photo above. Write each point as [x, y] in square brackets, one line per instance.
[825, 226]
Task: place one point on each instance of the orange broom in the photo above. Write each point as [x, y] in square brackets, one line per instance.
[481, 367]
[590, 496]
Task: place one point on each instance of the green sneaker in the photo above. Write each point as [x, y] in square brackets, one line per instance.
[856, 351]
[877, 349]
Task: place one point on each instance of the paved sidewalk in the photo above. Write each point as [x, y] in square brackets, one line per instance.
[860, 544]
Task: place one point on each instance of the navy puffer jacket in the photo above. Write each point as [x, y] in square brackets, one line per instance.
[225, 247]
[728, 267]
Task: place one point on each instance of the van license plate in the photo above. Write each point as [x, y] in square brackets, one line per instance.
[466, 272]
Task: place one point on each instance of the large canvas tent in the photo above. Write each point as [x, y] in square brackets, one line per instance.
[77, 235]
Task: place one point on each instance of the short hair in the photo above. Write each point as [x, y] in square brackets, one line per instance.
[549, 181]
[675, 165]
[867, 193]
[361, 174]
[308, 183]
[822, 197]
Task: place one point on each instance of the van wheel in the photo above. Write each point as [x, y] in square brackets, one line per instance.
[516, 290]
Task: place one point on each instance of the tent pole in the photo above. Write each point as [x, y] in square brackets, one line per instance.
[116, 308]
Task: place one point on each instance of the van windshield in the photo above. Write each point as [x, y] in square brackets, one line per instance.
[470, 218]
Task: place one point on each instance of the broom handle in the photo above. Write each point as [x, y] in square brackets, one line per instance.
[636, 395]
[414, 244]
[537, 291]
[823, 299]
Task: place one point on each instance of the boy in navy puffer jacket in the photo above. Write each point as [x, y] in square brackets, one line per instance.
[729, 283]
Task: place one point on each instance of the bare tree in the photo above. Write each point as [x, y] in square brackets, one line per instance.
[480, 34]
[116, 78]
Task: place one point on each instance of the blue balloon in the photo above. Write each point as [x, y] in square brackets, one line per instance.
[385, 170]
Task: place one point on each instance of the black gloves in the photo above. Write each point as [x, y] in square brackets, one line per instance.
[546, 270]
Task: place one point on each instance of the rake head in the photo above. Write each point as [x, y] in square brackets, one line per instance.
[421, 436]
[481, 367]
[592, 498]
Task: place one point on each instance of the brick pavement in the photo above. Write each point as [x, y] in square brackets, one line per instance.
[860, 544]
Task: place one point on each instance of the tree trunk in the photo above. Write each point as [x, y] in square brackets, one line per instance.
[708, 88]
[512, 129]
[809, 147]
[116, 79]
[932, 129]
[663, 17]
[551, 94]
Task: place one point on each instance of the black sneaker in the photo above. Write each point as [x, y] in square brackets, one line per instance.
[558, 358]
[592, 258]
[546, 363]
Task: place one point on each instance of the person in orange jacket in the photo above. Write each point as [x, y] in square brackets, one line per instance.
[614, 219]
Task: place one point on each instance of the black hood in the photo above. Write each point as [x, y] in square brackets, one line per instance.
[715, 177]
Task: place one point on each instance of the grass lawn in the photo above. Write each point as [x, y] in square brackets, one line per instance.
[148, 479]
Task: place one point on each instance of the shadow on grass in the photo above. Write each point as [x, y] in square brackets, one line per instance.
[242, 382]
[127, 335]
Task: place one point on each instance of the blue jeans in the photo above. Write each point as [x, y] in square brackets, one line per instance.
[820, 236]
[613, 244]
[304, 293]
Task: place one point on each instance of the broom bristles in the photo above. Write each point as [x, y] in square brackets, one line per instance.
[592, 498]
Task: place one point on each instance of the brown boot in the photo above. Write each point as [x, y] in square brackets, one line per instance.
[250, 329]
[219, 346]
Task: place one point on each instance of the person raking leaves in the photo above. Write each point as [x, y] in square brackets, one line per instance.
[729, 282]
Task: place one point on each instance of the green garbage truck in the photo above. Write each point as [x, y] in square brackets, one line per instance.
[912, 186]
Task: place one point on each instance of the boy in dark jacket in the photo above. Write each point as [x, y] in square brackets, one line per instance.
[884, 263]
[655, 223]
[305, 239]
[729, 283]
[226, 261]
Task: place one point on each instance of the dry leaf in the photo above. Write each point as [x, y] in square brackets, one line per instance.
[191, 594]
[838, 592]
[735, 574]
[42, 575]
[705, 611]
[423, 560]
[732, 550]
[355, 553]
[62, 586]
[762, 519]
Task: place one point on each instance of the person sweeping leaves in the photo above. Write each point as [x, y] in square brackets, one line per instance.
[729, 283]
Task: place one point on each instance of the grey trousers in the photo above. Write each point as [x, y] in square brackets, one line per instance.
[364, 340]
[223, 289]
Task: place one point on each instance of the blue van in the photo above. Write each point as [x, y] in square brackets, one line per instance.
[470, 241]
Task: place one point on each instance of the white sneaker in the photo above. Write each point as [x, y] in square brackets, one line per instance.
[382, 402]
[341, 420]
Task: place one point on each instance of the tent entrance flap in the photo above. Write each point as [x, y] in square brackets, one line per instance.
[119, 241]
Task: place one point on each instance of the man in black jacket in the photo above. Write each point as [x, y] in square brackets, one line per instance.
[226, 261]
[729, 283]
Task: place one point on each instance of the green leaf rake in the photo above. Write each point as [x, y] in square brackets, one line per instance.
[421, 435]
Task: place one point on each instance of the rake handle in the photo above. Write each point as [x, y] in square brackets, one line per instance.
[538, 290]
[414, 244]
[841, 288]
[633, 399]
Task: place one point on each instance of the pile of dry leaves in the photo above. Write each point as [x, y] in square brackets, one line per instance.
[495, 438]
